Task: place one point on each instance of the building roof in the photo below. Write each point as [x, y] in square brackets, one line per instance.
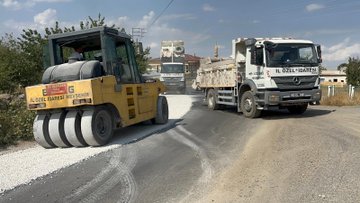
[332, 73]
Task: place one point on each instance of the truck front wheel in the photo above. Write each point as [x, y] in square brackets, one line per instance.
[248, 105]
[298, 109]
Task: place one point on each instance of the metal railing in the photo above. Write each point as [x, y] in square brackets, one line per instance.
[333, 90]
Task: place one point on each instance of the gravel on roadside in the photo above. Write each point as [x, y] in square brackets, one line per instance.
[22, 166]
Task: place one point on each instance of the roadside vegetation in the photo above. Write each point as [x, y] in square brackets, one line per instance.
[341, 94]
[21, 65]
[340, 99]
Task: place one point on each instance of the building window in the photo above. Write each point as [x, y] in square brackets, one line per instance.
[330, 80]
[335, 80]
[342, 80]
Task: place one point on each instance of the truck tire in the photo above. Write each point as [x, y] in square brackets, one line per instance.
[162, 111]
[72, 127]
[211, 100]
[57, 131]
[41, 131]
[97, 126]
[248, 105]
[298, 109]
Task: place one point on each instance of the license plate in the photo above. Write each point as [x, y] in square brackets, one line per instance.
[297, 94]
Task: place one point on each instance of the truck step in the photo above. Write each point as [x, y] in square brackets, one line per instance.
[227, 103]
[225, 92]
[225, 97]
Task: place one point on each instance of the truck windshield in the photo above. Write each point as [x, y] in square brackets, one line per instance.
[291, 55]
[172, 68]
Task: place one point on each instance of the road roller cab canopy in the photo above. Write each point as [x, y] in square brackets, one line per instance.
[103, 51]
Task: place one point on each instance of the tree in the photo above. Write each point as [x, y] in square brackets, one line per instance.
[342, 66]
[9, 52]
[142, 57]
[21, 61]
[91, 23]
[322, 68]
[353, 71]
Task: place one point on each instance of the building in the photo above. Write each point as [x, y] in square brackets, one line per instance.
[333, 77]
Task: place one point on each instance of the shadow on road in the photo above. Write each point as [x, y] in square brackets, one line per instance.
[284, 114]
[140, 131]
[272, 114]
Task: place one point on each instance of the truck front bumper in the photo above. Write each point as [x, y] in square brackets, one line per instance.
[288, 98]
[175, 88]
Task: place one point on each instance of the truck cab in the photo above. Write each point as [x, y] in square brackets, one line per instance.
[280, 71]
[173, 76]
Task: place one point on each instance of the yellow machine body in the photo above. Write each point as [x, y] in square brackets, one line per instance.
[134, 103]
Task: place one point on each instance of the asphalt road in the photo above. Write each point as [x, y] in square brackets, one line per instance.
[219, 156]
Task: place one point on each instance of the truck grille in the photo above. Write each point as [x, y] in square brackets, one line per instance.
[172, 79]
[295, 82]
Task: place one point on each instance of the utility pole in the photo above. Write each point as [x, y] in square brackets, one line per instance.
[138, 33]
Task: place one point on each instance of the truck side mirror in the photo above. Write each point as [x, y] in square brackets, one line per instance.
[318, 50]
[257, 55]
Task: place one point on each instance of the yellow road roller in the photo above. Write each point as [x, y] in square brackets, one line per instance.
[91, 87]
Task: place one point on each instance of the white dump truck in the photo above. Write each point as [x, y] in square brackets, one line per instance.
[263, 73]
[172, 74]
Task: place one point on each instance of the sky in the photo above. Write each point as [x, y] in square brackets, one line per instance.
[334, 24]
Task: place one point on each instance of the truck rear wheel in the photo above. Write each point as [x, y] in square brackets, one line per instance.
[211, 100]
[97, 126]
[298, 109]
[41, 131]
[72, 127]
[248, 105]
[56, 129]
[162, 111]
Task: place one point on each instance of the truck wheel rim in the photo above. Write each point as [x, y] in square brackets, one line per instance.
[248, 105]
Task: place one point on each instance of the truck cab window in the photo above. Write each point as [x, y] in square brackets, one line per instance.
[257, 56]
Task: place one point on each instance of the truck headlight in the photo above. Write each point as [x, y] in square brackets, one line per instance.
[274, 98]
[182, 79]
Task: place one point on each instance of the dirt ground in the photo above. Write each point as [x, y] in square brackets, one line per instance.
[311, 158]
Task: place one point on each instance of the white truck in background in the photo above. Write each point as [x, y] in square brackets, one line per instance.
[172, 58]
[263, 73]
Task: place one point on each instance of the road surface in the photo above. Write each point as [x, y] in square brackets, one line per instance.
[219, 156]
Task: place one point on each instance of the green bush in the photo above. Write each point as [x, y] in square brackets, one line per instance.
[15, 123]
[5, 137]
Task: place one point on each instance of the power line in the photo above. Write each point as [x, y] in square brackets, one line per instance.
[162, 12]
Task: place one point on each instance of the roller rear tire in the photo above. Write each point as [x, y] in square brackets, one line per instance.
[72, 127]
[97, 126]
[56, 129]
[41, 131]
